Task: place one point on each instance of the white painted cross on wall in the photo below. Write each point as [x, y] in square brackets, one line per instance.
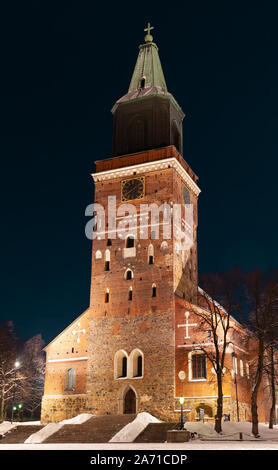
[78, 331]
[187, 325]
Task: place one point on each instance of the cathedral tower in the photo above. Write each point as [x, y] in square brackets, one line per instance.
[119, 356]
[135, 278]
[140, 344]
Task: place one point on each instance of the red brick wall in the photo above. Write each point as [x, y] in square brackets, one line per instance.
[63, 354]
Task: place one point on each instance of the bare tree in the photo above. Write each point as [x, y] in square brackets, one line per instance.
[21, 371]
[8, 370]
[271, 355]
[34, 367]
[262, 297]
[220, 296]
[270, 370]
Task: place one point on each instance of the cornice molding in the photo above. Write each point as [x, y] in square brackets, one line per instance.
[146, 168]
[68, 359]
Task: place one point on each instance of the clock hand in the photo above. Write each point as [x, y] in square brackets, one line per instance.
[132, 189]
[126, 194]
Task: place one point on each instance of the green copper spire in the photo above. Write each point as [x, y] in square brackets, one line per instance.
[148, 78]
[148, 71]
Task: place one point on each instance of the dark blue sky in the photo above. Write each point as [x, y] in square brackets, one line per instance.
[63, 65]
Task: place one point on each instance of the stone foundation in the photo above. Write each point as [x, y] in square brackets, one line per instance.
[55, 409]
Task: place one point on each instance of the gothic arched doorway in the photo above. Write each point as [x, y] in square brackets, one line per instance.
[130, 402]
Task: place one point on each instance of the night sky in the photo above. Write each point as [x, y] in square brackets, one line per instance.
[63, 66]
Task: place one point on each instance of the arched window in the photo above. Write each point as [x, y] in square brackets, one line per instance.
[142, 82]
[130, 294]
[120, 364]
[70, 379]
[153, 290]
[107, 296]
[109, 242]
[128, 274]
[98, 254]
[150, 255]
[129, 243]
[124, 367]
[107, 261]
[139, 366]
[136, 363]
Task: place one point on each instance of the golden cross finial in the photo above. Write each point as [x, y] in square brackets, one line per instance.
[148, 37]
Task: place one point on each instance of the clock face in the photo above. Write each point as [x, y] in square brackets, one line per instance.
[133, 189]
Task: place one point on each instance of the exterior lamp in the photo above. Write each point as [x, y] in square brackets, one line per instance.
[13, 411]
[181, 419]
[16, 408]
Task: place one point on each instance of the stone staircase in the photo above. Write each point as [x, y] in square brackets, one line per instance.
[155, 432]
[98, 429]
[95, 430]
[19, 434]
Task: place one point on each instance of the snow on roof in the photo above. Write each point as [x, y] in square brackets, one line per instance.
[205, 294]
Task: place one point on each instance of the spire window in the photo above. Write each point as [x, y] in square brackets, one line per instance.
[143, 82]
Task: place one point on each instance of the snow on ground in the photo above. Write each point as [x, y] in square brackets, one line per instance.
[41, 435]
[5, 427]
[79, 419]
[129, 432]
[209, 439]
[231, 430]
[27, 423]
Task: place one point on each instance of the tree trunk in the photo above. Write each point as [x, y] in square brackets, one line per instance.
[219, 411]
[2, 404]
[255, 390]
[272, 420]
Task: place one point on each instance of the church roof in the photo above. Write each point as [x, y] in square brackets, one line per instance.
[148, 77]
[65, 329]
[148, 68]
